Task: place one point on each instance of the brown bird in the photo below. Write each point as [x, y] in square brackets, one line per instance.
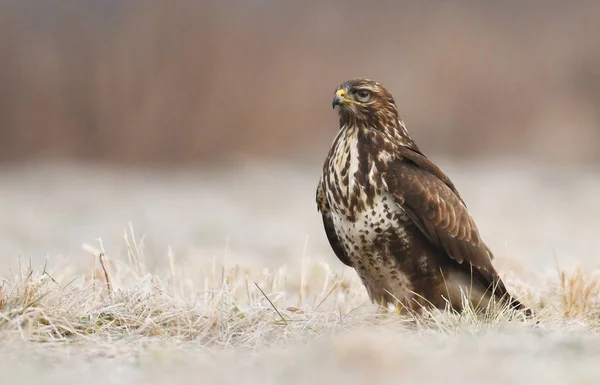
[395, 217]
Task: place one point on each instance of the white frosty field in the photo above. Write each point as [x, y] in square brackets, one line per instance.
[226, 277]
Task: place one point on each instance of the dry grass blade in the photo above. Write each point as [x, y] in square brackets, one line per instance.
[272, 304]
[106, 276]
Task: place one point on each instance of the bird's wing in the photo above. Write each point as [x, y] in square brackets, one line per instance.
[332, 236]
[431, 201]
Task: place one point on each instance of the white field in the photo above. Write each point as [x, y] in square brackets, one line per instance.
[184, 304]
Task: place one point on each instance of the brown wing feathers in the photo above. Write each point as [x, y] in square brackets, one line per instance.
[438, 211]
[431, 201]
[432, 204]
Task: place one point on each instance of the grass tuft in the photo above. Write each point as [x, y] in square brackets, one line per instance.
[121, 299]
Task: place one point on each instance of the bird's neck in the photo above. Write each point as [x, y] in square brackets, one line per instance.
[376, 136]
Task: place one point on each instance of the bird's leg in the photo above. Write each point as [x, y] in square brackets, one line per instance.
[383, 305]
[400, 309]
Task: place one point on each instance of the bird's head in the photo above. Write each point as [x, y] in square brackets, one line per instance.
[364, 100]
[367, 105]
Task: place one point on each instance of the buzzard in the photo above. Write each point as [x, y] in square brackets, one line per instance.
[395, 217]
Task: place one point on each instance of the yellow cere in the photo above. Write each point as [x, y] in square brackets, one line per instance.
[342, 93]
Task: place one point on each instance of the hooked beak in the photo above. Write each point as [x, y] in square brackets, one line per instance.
[339, 98]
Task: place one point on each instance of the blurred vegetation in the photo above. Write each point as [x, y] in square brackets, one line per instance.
[184, 81]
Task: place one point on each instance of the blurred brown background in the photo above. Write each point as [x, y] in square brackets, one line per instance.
[204, 124]
[193, 81]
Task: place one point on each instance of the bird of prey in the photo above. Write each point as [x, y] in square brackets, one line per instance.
[396, 218]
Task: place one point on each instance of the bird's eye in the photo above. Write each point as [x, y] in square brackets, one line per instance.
[362, 95]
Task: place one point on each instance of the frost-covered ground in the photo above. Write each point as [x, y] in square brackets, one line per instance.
[538, 222]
